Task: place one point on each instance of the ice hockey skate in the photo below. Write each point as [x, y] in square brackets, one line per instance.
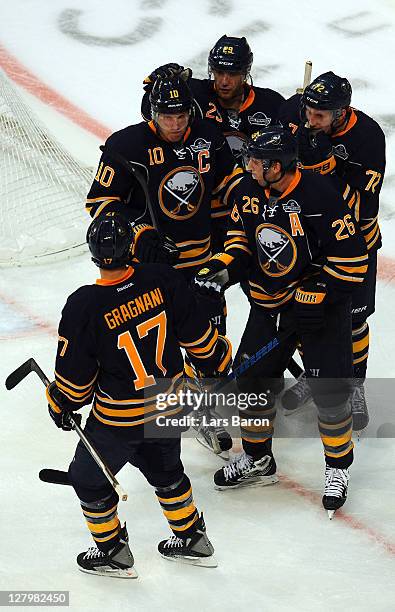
[117, 563]
[359, 409]
[211, 434]
[297, 396]
[195, 550]
[336, 487]
[246, 472]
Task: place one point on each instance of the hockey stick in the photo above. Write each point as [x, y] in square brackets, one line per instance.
[32, 366]
[130, 167]
[307, 76]
[139, 178]
[263, 351]
[54, 476]
[60, 477]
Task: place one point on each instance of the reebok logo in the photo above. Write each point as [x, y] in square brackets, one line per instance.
[124, 287]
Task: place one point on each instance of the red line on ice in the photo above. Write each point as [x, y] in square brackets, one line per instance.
[340, 516]
[38, 324]
[23, 77]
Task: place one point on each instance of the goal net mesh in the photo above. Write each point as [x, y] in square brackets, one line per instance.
[42, 215]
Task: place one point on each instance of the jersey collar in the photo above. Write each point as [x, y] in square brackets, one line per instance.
[115, 281]
[249, 100]
[294, 183]
[153, 128]
[350, 124]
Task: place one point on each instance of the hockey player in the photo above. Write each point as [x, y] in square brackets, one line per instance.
[226, 97]
[187, 166]
[305, 256]
[119, 345]
[336, 139]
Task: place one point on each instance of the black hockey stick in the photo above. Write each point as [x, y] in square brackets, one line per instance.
[61, 477]
[130, 167]
[54, 476]
[169, 246]
[20, 373]
[32, 366]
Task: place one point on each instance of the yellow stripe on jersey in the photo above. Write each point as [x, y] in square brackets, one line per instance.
[236, 172]
[200, 340]
[352, 279]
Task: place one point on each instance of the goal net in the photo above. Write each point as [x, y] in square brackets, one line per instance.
[43, 189]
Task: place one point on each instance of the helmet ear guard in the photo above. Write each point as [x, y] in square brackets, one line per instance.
[110, 239]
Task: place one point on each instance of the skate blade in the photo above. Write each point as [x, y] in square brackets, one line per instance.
[117, 573]
[259, 481]
[331, 514]
[223, 454]
[199, 561]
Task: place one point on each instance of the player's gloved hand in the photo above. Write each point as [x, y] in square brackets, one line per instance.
[212, 279]
[315, 149]
[309, 307]
[58, 410]
[219, 364]
[167, 71]
[150, 247]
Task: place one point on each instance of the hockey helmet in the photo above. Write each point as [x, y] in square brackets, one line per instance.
[327, 92]
[110, 240]
[231, 54]
[170, 96]
[272, 144]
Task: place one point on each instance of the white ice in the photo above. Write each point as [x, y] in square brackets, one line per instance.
[275, 546]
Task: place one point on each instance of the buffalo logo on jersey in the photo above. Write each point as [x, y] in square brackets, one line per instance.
[276, 250]
[181, 192]
[260, 119]
[236, 141]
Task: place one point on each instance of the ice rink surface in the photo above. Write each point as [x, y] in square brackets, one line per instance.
[275, 546]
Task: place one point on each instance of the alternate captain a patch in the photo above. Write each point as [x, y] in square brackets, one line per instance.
[276, 249]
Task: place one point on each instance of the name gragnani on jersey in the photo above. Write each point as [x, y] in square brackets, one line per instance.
[359, 156]
[259, 109]
[186, 184]
[282, 238]
[133, 326]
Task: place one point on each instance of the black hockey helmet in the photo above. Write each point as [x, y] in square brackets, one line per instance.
[231, 54]
[271, 144]
[170, 96]
[327, 92]
[110, 240]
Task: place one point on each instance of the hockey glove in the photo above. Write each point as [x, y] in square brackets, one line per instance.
[165, 72]
[218, 365]
[57, 408]
[150, 247]
[309, 309]
[315, 150]
[212, 279]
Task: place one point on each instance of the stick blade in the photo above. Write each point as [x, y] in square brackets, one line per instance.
[19, 374]
[54, 476]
